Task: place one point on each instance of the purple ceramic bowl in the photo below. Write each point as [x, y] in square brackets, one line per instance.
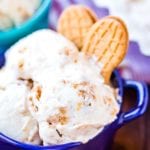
[104, 139]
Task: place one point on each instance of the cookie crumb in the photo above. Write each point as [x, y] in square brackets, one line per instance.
[38, 92]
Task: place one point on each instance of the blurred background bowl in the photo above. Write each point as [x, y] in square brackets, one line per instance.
[37, 21]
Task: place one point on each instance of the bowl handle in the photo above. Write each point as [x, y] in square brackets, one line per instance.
[142, 101]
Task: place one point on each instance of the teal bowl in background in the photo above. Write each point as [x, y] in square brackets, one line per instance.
[37, 21]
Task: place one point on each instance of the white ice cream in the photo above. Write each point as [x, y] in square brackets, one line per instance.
[66, 93]
[136, 15]
[15, 119]
[16, 12]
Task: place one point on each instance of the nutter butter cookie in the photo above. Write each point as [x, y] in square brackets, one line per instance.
[107, 39]
[74, 23]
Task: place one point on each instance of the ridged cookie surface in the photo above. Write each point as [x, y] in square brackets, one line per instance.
[107, 39]
[74, 23]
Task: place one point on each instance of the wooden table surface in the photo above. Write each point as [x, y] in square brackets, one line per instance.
[136, 134]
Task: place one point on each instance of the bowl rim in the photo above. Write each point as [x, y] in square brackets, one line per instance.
[11, 141]
[32, 20]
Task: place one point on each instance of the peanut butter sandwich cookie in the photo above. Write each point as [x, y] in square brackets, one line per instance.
[74, 23]
[107, 39]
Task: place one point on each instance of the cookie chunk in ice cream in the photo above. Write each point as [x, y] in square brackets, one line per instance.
[66, 93]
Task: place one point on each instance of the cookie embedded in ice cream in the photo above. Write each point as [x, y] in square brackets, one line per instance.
[67, 96]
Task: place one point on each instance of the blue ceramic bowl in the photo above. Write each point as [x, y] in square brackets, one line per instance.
[104, 139]
[38, 20]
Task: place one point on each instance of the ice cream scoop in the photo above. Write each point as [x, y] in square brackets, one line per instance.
[66, 94]
[17, 12]
[15, 119]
